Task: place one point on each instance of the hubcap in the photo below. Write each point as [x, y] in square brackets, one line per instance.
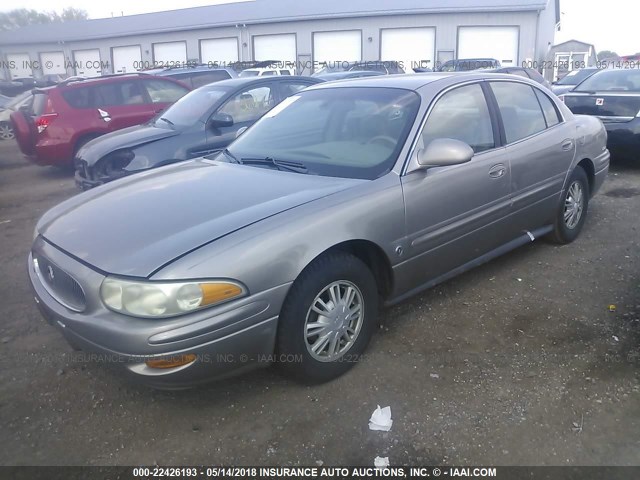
[6, 132]
[334, 321]
[573, 205]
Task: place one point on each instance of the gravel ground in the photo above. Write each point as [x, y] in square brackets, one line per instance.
[518, 362]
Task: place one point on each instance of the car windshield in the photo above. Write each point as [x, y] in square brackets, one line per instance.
[353, 132]
[190, 108]
[612, 80]
[575, 77]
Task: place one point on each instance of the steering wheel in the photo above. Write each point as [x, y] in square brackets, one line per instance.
[382, 139]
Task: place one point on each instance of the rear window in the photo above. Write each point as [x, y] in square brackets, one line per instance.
[612, 80]
[575, 77]
[205, 78]
[249, 73]
[39, 104]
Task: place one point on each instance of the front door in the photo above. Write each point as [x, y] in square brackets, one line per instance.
[458, 213]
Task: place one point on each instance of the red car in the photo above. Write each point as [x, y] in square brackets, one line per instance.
[59, 120]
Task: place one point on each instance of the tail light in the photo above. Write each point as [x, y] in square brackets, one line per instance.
[44, 120]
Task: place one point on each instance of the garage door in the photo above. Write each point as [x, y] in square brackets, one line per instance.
[87, 62]
[411, 46]
[500, 43]
[170, 53]
[337, 46]
[126, 59]
[275, 47]
[19, 65]
[219, 50]
[53, 63]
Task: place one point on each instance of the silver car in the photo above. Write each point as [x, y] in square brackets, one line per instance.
[344, 197]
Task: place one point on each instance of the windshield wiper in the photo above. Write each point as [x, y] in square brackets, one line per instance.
[168, 121]
[286, 165]
[230, 155]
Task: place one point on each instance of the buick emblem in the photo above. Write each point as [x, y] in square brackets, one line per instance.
[50, 273]
[599, 102]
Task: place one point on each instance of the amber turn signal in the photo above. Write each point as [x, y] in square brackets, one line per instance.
[171, 362]
[218, 292]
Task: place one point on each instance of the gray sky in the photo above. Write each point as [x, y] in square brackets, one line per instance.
[611, 25]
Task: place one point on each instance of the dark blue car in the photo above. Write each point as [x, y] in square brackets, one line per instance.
[202, 122]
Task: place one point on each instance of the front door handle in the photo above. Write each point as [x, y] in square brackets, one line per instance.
[567, 145]
[498, 171]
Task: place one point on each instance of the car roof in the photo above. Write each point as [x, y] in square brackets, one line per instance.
[415, 81]
[407, 80]
[348, 74]
[197, 68]
[73, 82]
[243, 81]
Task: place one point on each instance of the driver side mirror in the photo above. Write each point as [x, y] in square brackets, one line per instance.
[220, 120]
[444, 152]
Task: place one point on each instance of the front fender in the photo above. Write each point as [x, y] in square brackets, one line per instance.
[275, 250]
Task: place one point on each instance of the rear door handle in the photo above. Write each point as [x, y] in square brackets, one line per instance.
[567, 145]
[498, 171]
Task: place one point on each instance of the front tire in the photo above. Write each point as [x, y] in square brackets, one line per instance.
[327, 319]
[572, 211]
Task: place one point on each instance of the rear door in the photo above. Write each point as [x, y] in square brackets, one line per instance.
[458, 213]
[245, 107]
[121, 104]
[540, 147]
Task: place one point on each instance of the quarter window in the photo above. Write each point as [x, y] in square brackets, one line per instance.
[520, 110]
[461, 114]
[550, 112]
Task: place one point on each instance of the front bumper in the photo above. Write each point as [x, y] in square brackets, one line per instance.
[624, 139]
[226, 340]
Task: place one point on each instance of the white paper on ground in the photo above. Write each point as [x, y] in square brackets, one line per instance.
[381, 462]
[381, 419]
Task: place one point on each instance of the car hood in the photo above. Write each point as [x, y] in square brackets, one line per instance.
[138, 224]
[125, 138]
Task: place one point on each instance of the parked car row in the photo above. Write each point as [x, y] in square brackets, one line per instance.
[345, 196]
[202, 122]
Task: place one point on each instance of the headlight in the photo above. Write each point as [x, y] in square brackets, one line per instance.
[165, 299]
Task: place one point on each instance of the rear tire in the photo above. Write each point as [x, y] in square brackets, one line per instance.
[6, 131]
[572, 211]
[327, 319]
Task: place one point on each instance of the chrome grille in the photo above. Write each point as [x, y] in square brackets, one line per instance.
[60, 285]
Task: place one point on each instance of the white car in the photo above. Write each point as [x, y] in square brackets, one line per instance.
[6, 130]
[263, 72]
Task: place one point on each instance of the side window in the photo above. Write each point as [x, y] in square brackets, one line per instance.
[520, 110]
[289, 89]
[268, 72]
[250, 105]
[78, 97]
[550, 112]
[461, 114]
[164, 91]
[132, 93]
[108, 94]
[205, 78]
[285, 72]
